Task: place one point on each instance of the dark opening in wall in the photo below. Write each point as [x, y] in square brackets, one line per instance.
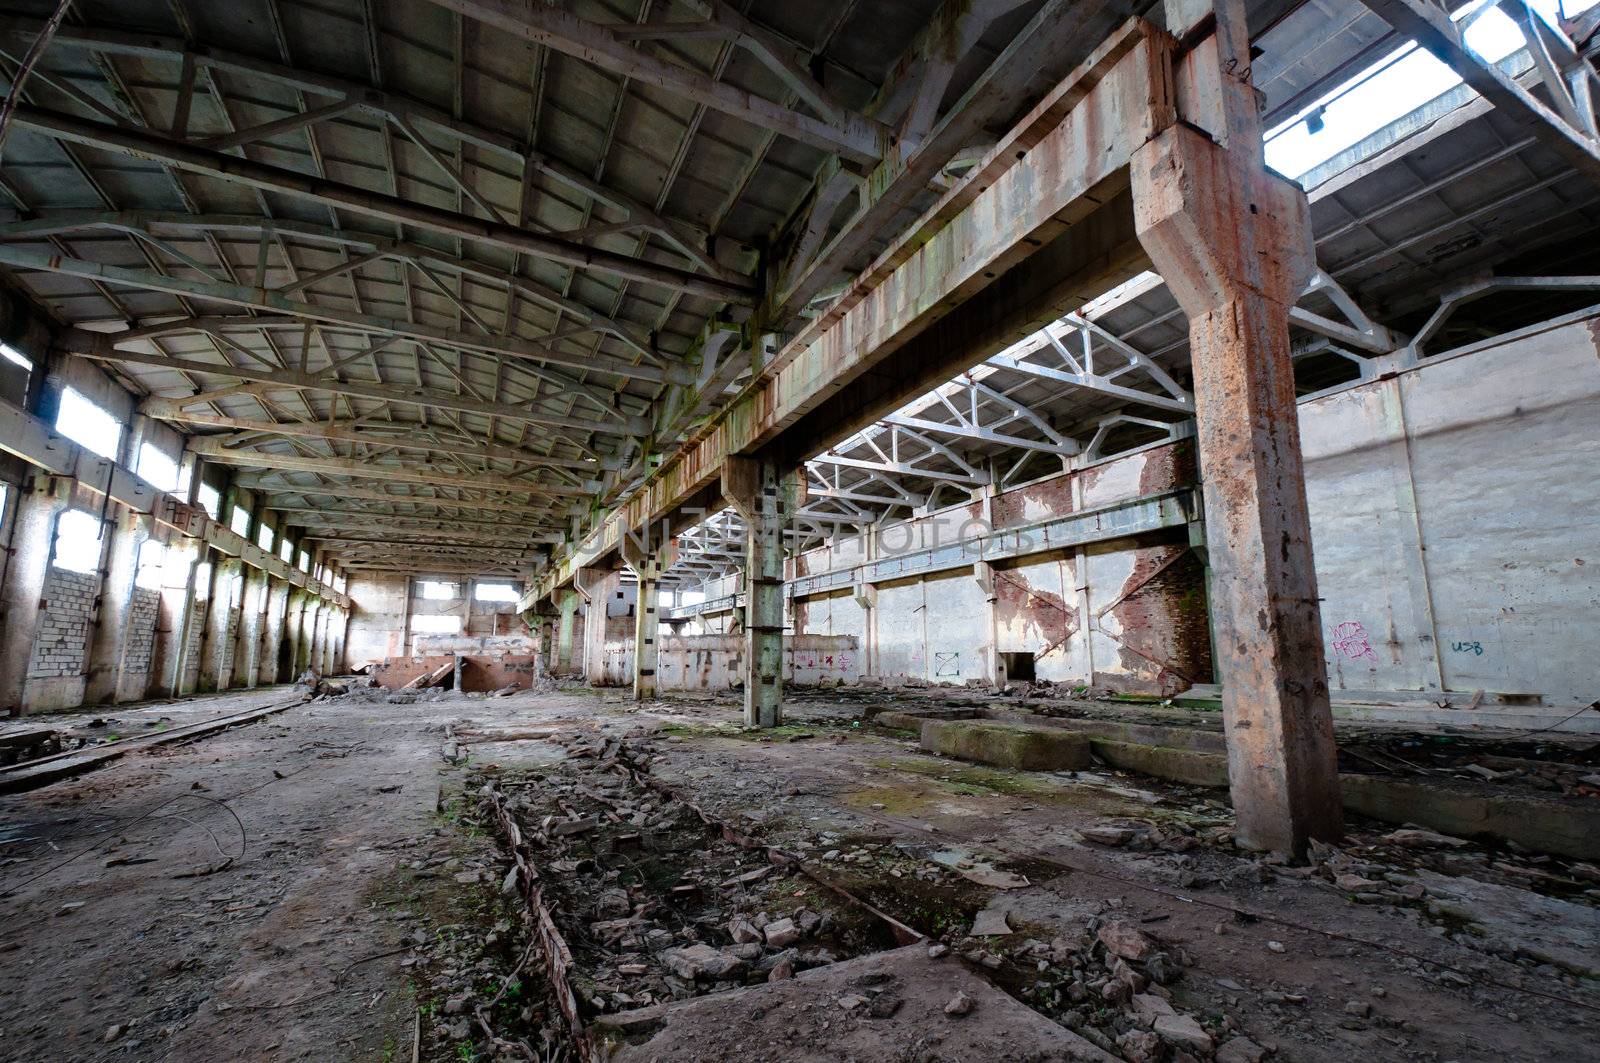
[1018, 666]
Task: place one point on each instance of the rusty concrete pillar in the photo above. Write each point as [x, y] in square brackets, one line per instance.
[128, 532]
[567, 602]
[26, 566]
[1233, 243]
[645, 564]
[766, 499]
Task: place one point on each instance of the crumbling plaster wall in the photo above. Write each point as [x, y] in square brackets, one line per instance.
[378, 618]
[1453, 518]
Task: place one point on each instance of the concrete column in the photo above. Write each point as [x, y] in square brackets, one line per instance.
[645, 564]
[567, 602]
[597, 586]
[128, 533]
[247, 644]
[1233, 243]
[26, 567]
[766, 499]
[275, 631]
[168, 662]
[220, 609]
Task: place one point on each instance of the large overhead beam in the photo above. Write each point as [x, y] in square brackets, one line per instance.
[213, 450]
[409, 437]
[1571, 133]
[102, 346]
[276, 303]
[852, 135]
[471, 503]
[277, 179]
[1051, 193]
[1062, 34]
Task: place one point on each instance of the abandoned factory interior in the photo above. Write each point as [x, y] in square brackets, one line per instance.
[889, 531]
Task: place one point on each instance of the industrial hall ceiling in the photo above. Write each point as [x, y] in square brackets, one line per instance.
[462, 271]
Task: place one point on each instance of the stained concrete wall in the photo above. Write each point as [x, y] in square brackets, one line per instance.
[1125, 615]
[379, 617]
[1453, 514]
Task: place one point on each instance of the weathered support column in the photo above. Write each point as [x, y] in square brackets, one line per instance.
[247, 646]
[1233, 244]
[645, 564]
[128, 533]
[214, 651]
[169, 661]
[766, 499]
[274, 634]
[567, 602]
[597, 586]
[26, 567]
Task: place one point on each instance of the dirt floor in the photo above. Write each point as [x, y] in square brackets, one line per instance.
[331, 883]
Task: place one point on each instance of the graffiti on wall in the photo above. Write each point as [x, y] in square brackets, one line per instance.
[1350, 641]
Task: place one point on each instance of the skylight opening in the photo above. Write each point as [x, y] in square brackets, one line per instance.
[77, 546]
[88, 425]
[1392, 87]
[158, 468]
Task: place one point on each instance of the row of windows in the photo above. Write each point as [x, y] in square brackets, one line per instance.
[441, 591]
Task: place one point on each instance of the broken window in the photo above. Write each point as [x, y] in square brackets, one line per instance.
[286, 551]
[438, 591]
[152, 556]
[436, 624]
[202, 581]
[15, 357]
[88, 425]
[157, 468]
[240, 521]
[265, 538]
[210, 500]
[77, 547]
[305, 562]
[495, 592]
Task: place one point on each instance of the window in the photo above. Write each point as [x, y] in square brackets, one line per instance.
[1392, 87]
[495, 592]
[202, 581]
[437, 591]
[210, 500]
[152, 556]
[286, 551]
[15, 357]
[156, 467]
[436, 625]
[691, 597]
[240, 521]
[265, 538]
[77, 541]
[305, 562]
[88, 425]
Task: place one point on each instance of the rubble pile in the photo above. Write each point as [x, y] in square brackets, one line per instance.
[658, 906]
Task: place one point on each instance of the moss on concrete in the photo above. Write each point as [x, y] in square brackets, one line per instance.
[1164, 762]
[1008, 745]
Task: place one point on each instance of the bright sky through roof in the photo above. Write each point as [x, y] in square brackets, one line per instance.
[1391, 88]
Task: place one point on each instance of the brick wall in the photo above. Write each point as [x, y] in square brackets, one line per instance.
[193, 640]
[142, 615]
[61, 643]
[226, 668]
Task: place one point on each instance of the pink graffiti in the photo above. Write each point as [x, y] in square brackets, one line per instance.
[1350, 640]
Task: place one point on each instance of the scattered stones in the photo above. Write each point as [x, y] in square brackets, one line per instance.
[1423, 839]
[701, 960]
[1126, 940]
[1114, 837]
[1182, 1031]
[782, 933]
[114, 1032]
[1359, 1009]
[959, 1005]
[935, 951]
[1241, 1050]
[990, 923]
[1276, 946]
